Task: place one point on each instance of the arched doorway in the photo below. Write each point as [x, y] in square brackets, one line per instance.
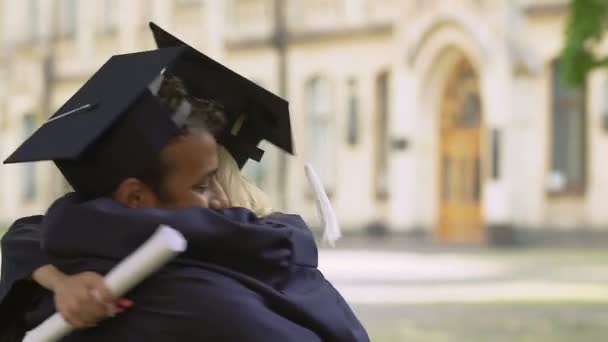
[460, 166]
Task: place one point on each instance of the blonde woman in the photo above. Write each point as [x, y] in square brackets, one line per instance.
[240, 191]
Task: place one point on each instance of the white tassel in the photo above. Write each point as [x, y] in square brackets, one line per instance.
[331, 228]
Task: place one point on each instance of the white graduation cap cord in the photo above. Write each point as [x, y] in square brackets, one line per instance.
[73, 111]
[154, 88]
[331, 227]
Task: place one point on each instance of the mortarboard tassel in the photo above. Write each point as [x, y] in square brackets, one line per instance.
[331, 228]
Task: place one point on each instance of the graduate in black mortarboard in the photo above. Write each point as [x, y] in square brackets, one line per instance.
[139, 145]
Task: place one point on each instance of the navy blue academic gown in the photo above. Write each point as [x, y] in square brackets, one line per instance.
[243, 278]
[20, 297]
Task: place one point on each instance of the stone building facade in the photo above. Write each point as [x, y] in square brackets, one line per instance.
[444, 118]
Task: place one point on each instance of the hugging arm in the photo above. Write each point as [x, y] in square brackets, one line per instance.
[27, 276]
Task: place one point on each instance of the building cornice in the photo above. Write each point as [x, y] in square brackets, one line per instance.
[303, 37]
[556, 8]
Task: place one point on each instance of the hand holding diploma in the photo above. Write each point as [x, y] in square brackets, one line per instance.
[159, 249]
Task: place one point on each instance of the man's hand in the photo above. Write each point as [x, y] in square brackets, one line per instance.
[82, 299]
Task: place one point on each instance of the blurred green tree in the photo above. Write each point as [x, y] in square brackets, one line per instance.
[587, 25]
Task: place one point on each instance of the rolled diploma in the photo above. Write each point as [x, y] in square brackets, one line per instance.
[159, 249]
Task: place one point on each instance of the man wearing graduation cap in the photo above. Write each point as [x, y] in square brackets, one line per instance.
[137, 161]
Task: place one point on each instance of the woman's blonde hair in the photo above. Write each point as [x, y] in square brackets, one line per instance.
[241, 192]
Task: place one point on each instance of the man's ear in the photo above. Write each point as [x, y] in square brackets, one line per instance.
[134, 193]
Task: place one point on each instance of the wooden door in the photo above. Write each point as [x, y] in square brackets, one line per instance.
[460, 163]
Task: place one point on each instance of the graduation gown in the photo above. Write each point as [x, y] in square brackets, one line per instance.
[21, 297]
[242, 278]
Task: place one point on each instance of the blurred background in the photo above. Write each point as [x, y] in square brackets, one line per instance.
[461, 142]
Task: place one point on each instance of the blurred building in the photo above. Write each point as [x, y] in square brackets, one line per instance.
[440, 117]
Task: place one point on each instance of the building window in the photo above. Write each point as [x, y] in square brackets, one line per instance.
[109, 18]
[251, 15]
[604, 111]
[69, 17]
[29, 172]
[35, 18]
[258, 172]
[495, 145]
[352, 134]
[381, 148]
[148, 13]
[321, 147]
[188, 2]
[568, 124]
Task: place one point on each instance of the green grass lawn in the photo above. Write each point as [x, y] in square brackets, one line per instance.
[495, 322]
[595, 255]
[555, 320]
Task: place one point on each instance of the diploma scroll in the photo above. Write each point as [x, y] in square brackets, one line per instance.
[159, 249]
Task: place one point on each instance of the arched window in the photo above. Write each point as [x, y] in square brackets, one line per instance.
[321, 135]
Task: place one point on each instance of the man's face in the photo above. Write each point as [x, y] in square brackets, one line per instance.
[191, 180]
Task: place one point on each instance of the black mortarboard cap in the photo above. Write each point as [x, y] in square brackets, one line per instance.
[111, 129]
[260, 114]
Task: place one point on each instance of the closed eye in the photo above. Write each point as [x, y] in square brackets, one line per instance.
[201, 187]
[204, 184]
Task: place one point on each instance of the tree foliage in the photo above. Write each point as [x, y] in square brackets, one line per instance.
[587, 26]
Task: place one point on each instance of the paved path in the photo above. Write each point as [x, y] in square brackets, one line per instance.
[385, 278]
